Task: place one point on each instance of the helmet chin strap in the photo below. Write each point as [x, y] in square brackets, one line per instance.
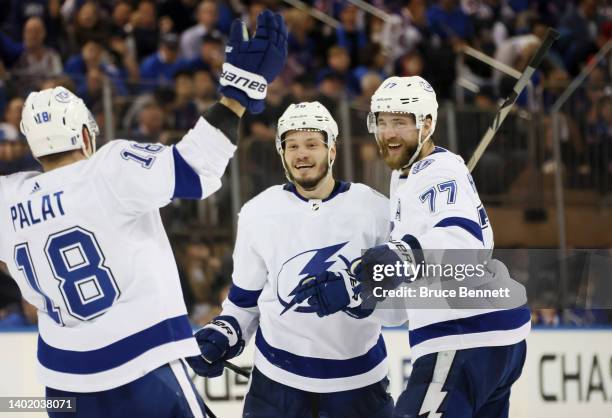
[417, 151]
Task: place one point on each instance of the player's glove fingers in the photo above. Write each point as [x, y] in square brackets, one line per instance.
[204, 368]
[281, 40]
[237, 33]
[304, 293]
[213, 345]
[265, 25]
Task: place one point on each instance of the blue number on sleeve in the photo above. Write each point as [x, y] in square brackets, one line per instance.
[23, 260]
[483, 217]
[430, 196]
[87, 285]
[144, 160]
[451, 188]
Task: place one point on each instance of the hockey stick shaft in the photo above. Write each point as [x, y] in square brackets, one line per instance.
[238, 370]
[504, 109]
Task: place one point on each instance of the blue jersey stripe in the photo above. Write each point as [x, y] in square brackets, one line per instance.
[320, 368]
[187, 183]
[115, 354]
[503, 320]
[243, 298]
[464, 223]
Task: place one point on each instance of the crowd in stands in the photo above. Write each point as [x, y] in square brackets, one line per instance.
[161, 60]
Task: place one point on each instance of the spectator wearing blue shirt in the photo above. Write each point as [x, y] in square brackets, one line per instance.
[447, 20]
[93, 56]
[160, 67]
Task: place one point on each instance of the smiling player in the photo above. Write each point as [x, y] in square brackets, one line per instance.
[304, 364]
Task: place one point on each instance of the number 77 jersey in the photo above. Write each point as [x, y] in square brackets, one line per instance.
[87, 247]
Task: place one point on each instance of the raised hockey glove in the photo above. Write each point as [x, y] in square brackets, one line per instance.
[219, 340]
[329, 292]
[250, 64]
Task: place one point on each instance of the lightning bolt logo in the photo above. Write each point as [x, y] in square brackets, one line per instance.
[431, 406]
[318, 263]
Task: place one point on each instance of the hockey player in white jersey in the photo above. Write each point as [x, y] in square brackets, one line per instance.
[465, 360]
[85, 242]
[305, 365]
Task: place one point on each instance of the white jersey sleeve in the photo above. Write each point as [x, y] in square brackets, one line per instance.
[143, 177]
[249, 277]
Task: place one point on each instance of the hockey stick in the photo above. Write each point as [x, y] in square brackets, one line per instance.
[504, 109]
[238, 370]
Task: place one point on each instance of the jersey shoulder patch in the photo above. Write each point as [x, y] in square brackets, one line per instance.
[422, 165]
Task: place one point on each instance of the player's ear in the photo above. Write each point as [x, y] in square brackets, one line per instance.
[87, 142]
[332, 153]
[427, 126]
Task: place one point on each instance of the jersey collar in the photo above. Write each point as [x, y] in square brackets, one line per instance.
[436, 150]
[339, 187]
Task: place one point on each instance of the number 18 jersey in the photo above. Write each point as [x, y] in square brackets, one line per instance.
[87, 247]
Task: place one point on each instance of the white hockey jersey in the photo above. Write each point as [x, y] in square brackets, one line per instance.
[438, 207]
[282, 239]
[87, 247]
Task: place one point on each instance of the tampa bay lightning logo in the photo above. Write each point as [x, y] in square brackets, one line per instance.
[422, 165]
[63, 97]
[303, 267]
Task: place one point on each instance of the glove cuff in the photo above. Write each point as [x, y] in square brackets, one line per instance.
[254, 85]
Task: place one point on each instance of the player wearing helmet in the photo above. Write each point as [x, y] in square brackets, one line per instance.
[85, 242]
[465, 360]
[288, 234]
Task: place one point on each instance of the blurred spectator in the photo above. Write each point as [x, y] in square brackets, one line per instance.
[184, 110]
[351, 35]
[302, 46]
[12, 113]
[548, 317]
[37, 61]
[331, 89]
[518, 50]
[17, 12]
[579, 26]
[339, 64]
[15, 155]
[191, 39]
[205, 90]
[89, 25]
[180, 12]
[211, 57]
[145, 31]
[150, 124]
[160, 67]
[20, 314]
[261, 131]
[410, 64]
[94, 57]
[448, 21]
[368, 85]
[372, 59]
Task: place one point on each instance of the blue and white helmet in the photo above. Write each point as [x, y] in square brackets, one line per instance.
[52, 121]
